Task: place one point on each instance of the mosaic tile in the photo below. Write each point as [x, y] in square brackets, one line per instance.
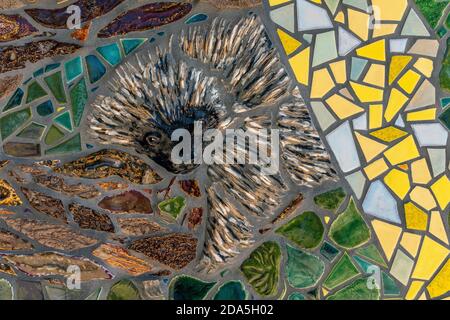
[303, 270]
[342, 271]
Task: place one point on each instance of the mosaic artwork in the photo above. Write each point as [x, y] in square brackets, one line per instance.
[353, 94]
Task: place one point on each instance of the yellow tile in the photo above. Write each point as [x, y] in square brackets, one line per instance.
[420, 172]
[322, 83]
[423, 296]
[375, 169]
[409, 80]
[342, 107]
[404, 167]
[403, 151]
[398, 63]
[390, 10]
[369, 147]
[425, 66]
[441, 190]
[327, 219]
[388, 236]
[389, 134]
[358, 23]
[60, 109]
[396, 102]
[340, 17]
[416, 219]
[423, 197]
[375, 51]
[411, 242]
[324, 292]
[277, 2]
[382, 29]
[339, 70]
[290, 44]
[422, 115]
[375, 116]
[366, 93]
[300, 65]
[431, 256]
[376, 75]
[437, 226]
[398, 182]
[414, 289]
[441, 283]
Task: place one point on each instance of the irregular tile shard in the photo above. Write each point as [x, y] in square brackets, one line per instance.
[45, 204]
[146, 17]
[11, 242]
[138, 226]
[175, 250]
[51, 235]
[127, 202]
[88, 218]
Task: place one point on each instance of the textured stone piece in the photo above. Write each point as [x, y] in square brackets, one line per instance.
[138, 226]
[127, 202]
[45, 204]
[88, 218]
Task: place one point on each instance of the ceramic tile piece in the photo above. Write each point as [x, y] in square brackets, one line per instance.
[430, 134]
[324, 48]
[375, 116]
[388, 235]
[277, 2]
[330, 200]
[414, 289]
[322, 83]
[422, 115]
[376, 168]
[402, 267]
[311, 17]
[420, 171]
[53, 135]
[383, 29]
[289, 43]
[78, 98]
[370, 148]
[399, 122]
[96, 70]
[357, 181]
[15, 100]
[71, 145]
[332, 5]
[349, 230]
[346, 41]
[367, 93]
[440, 285]
[431, 256]
[416, 219]
[441, 191]
[324, 117]
[371, 253]
[444, 117]
[360, 123]
[397, 65]
[423, 198]
[398, 45]
[300, 66]
[32, 131]
[111, 53]
[13, 121]
[438, 160]
[375, 51]
[303, 269]
[343, 271]
[390, 288]
[64, 120]
[342, 107]
[284, 17]
[411, 242]
[375, 75]
[389, 134]
[358, 22]
[73, 69]
[339, 70]
[413, 26]
[45, 109]
[56, 86]
[425, 47]
[398, 182]
[380, 203]
[425, 66]
[35, 91]
[437, 227]
[329, 251]
[360, 4]
[358, 66]
[340, 17]
[343, 147]
[129, 45]
[396, 102]
[425, 96]
[390, 10]
[409, 81]
[403, 151]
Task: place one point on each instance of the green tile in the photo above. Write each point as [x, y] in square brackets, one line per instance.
[56, 86]
[303, 270]
[78, 98]
[341, 272]
[13, 121]
[124, 290]
[173, 206]
[35, 91]
[15, 100]
[329, 251]
[64, 120]
[68, 146]
[305, 230]
[330, 200]
[390, 288]
[73, 68]
[189, 288]
[372, 253]
[32, 131]
[358, 290]
[53, 135]
[45, 109]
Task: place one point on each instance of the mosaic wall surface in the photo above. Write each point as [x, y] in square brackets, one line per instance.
[359, 89]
